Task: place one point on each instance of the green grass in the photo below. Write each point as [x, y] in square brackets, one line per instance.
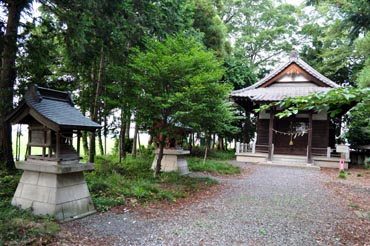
[198, 151]
[21, 227]
[342, 174]
[197, 165]
[113, 183]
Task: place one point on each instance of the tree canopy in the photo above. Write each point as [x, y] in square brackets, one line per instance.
[177, 83]
[88, 47]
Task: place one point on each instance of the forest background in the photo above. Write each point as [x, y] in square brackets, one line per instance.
[176, 61]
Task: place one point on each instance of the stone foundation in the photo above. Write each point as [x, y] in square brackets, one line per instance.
[173, 161]
[61, 192]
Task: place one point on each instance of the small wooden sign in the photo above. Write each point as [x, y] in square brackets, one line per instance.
[342, 148]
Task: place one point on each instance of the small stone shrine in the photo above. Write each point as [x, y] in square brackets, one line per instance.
[52, 182]
[174, 156]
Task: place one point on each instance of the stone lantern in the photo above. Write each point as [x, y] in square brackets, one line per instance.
[52, 182]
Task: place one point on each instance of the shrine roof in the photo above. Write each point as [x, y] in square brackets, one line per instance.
[270, 94]
[266, 89]
[52, 108]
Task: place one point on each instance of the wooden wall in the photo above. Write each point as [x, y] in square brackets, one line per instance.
[320, 137]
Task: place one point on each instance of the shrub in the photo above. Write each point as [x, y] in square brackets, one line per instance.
[342, 174]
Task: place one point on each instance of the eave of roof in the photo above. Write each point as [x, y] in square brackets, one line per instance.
[293, 59]
[271, 94]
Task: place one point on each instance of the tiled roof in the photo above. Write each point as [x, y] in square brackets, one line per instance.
[57, 107]
[254, 91]
[278, 93]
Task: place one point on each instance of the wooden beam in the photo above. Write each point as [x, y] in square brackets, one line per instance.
[271, 125]
[309, 144]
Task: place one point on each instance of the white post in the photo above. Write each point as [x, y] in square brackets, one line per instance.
[272, 149]
[328, 152]
[346, 155]
[254, 147]
[237, 149]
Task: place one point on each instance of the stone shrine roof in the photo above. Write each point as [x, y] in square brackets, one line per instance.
[52, 108]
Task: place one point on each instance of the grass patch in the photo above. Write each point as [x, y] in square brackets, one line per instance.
[198, 151]
[21, 227]
[355, 206]
[113, 183]
[197, 165]
[342, 174]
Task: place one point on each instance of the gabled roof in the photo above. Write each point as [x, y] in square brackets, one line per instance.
[52, 108]
[261, 91]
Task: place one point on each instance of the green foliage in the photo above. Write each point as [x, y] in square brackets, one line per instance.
[179, 81]
[342, 174]
[21, 227]
[197, 165]
[198, 151]
[260, 28]
[358, 123]
[207, 21]
[332, 101]
[127, 146]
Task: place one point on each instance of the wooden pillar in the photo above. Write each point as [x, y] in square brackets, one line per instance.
[78, 142]
[57, 146]
[44, 141]
[309, 144]
[271, 125]
[29, 141]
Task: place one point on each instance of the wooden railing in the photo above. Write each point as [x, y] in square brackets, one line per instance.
[250, 148]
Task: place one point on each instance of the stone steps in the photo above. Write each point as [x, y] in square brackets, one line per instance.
[290, 161]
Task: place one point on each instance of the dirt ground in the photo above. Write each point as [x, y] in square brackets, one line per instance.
[354, 192]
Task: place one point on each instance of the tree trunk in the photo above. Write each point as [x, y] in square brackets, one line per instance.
[105, 134]
[100, 139]
[205, 154]
[7, 78]
[85, 144]
[96, 105]
[122, 153]
[128, 124]
[134, 142]
[191, 141]
[160, 157]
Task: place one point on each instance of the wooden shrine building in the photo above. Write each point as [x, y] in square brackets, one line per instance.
[307, 137]
[52, 182]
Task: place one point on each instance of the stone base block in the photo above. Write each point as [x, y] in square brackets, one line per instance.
[251, 157]
[329, 162]
[64, 196]
[172, 161]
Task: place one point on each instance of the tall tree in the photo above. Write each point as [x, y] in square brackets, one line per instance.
[179, 84]
[261, 29]
[8, 75]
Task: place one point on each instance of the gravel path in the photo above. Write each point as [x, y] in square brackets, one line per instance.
[271, 206]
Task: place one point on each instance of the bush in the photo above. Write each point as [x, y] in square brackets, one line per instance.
[342, 174]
